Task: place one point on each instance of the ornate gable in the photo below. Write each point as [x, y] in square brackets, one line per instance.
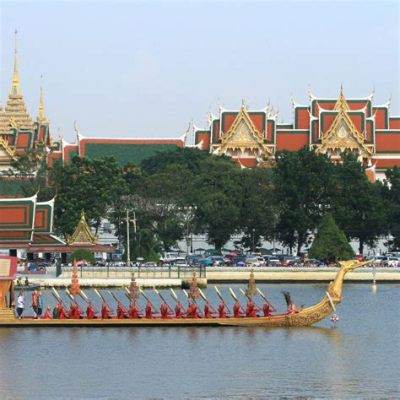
[82, 234]
[242, 137]
[342, 134]
[7, 154]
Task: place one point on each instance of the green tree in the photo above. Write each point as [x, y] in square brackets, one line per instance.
[218, 198]
[391, 193]
[95, 186]
[357, 204]
[330, 243]
[258, 212]
[303, 186]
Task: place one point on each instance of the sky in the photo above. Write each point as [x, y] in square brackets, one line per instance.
[147, 69]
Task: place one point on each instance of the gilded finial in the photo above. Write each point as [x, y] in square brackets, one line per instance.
[15, 88]
[41, 117]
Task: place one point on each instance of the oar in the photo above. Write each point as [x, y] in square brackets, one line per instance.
[103, 299]
[331, 302]
[246, 295]
[73, 300]
[113, 296]
[204, 297]
[162, 298]
[83, 295]
[221, 298]
[59, 297]
[151, 304]
[235, 298]
[173, 295]
[86, 298]
[194, 300]
[265, 299]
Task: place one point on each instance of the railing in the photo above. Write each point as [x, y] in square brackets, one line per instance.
[117, 272]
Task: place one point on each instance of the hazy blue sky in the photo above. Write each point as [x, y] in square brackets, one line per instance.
[135, 69]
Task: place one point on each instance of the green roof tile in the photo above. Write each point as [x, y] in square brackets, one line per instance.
[125, 153]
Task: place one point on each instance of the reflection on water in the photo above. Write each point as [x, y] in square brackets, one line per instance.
[358, 359]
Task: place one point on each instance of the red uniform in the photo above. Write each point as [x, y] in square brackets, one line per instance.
[207, 311]
[61, 312]
[73, 310]
[164, 311]
[178, 310]
[90, 313]
[266, 310]
[105, 311]
[192, 311]
[121, 313]
[251, 310]
[236, 310]
[47, 314]
[221, 310]
[148, 311]
[133, 311]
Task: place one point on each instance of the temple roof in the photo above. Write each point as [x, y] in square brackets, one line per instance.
[15, 109]
[83, 234]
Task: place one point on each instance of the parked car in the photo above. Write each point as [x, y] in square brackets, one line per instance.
[218, 261]
[272, 260]
[253, 262]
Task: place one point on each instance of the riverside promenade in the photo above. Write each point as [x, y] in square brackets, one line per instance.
[222, 275]
[301, 274]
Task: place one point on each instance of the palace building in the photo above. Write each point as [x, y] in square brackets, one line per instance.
[20, 133]
[250, 137]
[328, 126]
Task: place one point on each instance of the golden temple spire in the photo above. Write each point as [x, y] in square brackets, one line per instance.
[15, 88]
[341, 103]
[41, 117]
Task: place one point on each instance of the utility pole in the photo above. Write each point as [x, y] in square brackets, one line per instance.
[128, 250]
[128, 247]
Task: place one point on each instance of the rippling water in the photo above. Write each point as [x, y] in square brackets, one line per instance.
[360, 358]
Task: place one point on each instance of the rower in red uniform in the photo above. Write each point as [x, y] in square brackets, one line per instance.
[61, 313]
[192, 310]
[72, 310]
[221, 310]
[164, 311]
[121, 313]
[133, 311]
[266, 309]
[236, 310]
[90, 313]
[105, 311]
[251, 310]
[47, 314]
[207, 310]
[179, 310]
[149, 311]
[77, 312]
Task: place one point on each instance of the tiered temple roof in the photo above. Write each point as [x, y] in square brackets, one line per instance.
[329, 126]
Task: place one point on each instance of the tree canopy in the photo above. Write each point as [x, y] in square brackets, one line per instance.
[330, 243]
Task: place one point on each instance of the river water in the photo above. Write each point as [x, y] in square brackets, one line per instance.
[359, 358]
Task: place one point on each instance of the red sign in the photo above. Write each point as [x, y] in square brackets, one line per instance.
[8, 267]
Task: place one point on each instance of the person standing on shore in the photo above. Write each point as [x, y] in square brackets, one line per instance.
[20, 304]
